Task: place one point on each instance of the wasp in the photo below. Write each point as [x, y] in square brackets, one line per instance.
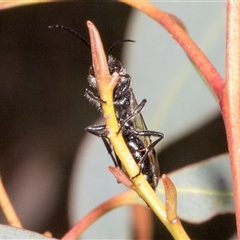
[128, 113]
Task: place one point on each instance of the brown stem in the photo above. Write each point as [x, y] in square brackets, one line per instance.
[231, 98]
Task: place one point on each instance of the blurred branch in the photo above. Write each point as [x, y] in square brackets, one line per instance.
[7, 207]
[20, 3]
[122, 199]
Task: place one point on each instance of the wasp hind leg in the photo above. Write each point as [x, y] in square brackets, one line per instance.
[135, 112]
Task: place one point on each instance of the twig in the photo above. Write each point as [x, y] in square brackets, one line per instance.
[20, 3]
[231, 98]
[7, 208]
[117, 201]
[106, 85]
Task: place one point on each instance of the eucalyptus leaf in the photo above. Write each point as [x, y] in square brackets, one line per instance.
[204, 189]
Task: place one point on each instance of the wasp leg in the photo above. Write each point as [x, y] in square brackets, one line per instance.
[97, 130]
[110, 151]
[135, 112]
[102, 132]
[94, 98]
[148, 133]
[151, 146]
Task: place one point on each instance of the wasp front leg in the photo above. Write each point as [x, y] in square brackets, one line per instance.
[94, 99]
[102, 132]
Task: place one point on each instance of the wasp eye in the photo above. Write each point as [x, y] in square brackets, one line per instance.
[114, 66]
[117, 67]
[91, 71]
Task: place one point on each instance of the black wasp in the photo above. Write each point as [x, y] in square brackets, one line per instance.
[128, 114]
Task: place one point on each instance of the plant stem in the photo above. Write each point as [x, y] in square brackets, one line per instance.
[20, 3]
[7, 208]
[106, 85]
[231, 99]
[117, 201]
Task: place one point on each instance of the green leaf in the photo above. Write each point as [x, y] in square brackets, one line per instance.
[204, 189]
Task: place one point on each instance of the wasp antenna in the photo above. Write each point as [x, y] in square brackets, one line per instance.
[71, 31]
[116, 44]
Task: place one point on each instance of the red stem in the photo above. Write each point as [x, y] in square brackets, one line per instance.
[122, 199]
[231, 99]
